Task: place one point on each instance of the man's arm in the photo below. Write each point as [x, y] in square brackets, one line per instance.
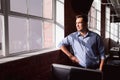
[72, 57]
[101, 49]
[101, 64]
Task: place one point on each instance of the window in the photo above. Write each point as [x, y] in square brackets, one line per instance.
[114, 31]
[94, 16]
[113, 28]
[30, 27]
[59, 21]
[1, 31]
[107, 22]
[1, 34]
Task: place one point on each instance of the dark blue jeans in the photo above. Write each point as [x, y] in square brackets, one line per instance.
[89, 67]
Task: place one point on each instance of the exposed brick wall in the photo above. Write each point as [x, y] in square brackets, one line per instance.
[32, 68]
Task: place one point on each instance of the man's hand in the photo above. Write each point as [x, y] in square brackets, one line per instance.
[74, 59]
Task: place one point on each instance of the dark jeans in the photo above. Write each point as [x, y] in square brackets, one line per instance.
[89, 67]
[93, 67]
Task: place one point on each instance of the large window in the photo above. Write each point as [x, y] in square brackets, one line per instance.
[95, 16]
[113, 28]
[30, 25]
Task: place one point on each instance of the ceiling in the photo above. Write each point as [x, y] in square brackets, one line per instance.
[76, 5]
[115, 10]
[113, 4]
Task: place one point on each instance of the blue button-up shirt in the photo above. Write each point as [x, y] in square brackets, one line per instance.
[88, 49]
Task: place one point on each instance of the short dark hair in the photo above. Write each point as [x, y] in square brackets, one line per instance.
[85, 17]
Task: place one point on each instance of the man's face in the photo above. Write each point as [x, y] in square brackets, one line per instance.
[80, 24]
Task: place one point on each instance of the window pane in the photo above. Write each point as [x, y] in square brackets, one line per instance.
[59, 34]
[1, 34]
[93, 12]
[35, 7]
[18, 6]
[107, 19]
[47, 6]
[60, 13]
[17, 34]
[114, 31]
[107, 12]
[35, 34]
[59, 27]
[98, 25]
[98, 16]
[48, 35]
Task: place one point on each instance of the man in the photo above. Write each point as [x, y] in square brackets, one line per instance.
[87, 46]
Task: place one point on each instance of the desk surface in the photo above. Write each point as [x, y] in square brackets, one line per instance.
[117, 49]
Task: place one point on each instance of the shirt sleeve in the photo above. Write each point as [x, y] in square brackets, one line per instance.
[64, 42]
[101, 48]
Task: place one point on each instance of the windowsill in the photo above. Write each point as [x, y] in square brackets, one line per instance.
[17, 57]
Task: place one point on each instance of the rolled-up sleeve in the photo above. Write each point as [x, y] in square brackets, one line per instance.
[64, 42]
[101, 48]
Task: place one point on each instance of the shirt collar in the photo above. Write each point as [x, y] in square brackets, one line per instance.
[88, 33]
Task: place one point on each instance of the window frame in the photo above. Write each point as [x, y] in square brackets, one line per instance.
[5, 11]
